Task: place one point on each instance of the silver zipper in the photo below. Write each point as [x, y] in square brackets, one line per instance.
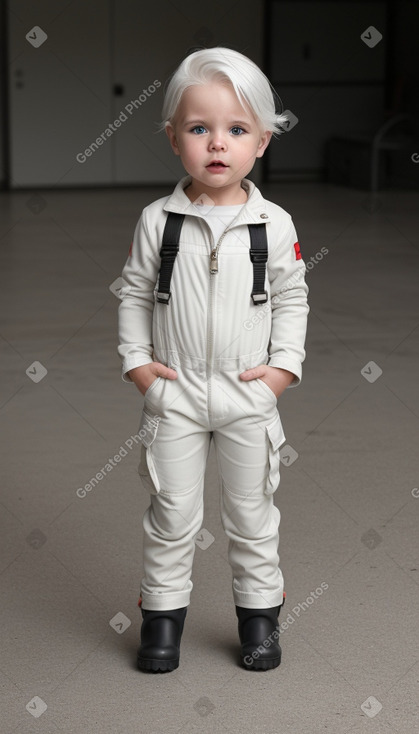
[214, 252]
[214, 261]
[213, 269]
[210, 320]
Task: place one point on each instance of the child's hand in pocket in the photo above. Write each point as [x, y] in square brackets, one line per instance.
[276, 378]
[144, 376]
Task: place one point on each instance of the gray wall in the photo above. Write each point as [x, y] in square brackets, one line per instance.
[62, 92]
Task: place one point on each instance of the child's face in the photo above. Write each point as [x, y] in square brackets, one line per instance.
[211, 125]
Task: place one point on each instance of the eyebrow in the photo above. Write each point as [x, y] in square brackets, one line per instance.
[201, 122]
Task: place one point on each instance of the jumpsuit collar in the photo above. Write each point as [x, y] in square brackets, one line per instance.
[254, 210]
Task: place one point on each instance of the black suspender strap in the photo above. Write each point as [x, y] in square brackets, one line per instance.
[170, 247]
[259, 257]
[168, 252]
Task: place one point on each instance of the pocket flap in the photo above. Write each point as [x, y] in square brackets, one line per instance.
[276, 433]
[148, 428]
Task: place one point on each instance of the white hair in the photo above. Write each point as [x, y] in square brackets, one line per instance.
[250, 84]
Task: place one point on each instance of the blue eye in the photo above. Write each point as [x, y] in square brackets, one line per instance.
[198, 129]
[236, 130]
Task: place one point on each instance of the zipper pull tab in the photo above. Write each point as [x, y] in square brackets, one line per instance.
[214, 262]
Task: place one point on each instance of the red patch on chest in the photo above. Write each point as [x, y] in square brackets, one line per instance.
[297, 249]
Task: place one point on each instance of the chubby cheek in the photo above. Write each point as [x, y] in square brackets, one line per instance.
[246, 155]
[244, 145]
[192, 149]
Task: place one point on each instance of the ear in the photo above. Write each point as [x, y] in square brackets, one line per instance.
[170, 132]
[263, 143]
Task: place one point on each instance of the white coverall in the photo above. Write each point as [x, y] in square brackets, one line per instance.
[209, 333]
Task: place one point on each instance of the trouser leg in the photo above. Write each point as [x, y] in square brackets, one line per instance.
[176, 461]
[252, 528]
[248, 459]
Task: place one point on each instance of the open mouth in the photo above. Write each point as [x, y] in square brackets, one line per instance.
[216, 166]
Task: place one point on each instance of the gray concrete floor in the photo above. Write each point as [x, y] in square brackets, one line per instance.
[349, 501]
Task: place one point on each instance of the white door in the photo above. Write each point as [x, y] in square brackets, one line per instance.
[146, 50]
[60, 100]
[86, 100]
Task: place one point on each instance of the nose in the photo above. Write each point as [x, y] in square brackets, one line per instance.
[217, 142]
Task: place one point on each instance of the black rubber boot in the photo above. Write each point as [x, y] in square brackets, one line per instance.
[259, 634]
[160, 639]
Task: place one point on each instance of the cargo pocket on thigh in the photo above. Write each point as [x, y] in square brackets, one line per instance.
[146, 468]
[276, 438]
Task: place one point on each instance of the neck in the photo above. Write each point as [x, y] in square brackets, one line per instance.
[219, 197]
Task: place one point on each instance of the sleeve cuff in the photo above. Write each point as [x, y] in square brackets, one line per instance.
[127, 366]
[290, 366]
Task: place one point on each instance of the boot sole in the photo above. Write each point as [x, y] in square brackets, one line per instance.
[157, 666]
[262, 664]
